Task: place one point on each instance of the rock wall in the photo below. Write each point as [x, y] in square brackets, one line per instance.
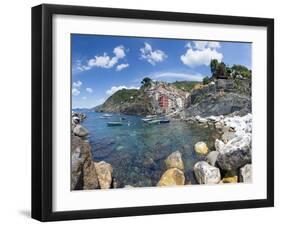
[85, 173]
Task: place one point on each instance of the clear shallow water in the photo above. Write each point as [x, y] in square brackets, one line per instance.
[137, 151]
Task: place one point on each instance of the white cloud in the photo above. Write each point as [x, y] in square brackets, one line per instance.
[201, 53]
[114, 89]
[180, 76]
[89, 90]
[151, 56]
[120, 67]
[77, 84]
[103, 61]
[119, 52]
[201, 45]
[84, 98]
[75, 91]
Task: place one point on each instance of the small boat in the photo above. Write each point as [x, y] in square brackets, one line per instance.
[103, 117]
[107, 115]
[164, 120]
[151, 116]
[123, 118]
[146, 119]
[114, 124]
[153, 122]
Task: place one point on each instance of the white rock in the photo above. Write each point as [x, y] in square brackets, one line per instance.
[206, 174]
[80, 131]
[212, 157]
[245, 174]
[219, 145]
[236, 153]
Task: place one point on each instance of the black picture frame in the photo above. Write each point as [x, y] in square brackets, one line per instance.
[42, 196]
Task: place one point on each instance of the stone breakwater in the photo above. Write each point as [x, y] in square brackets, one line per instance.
[86, 174]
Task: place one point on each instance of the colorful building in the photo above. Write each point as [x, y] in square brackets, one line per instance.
[163, 101]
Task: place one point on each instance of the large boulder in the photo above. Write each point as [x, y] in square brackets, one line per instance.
[80, 131]
[245, 173]
[201, 148]
[83, 174]
[172, 177]
[206, 174]
[104, 171]
[236, 153]
[174, 160]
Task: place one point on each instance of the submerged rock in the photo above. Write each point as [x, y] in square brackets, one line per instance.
[245, 173]
[174, 160]
[172, 177]
[206, 174]
[201, 148]
[104, 171]
[236, 153]
[80, 131]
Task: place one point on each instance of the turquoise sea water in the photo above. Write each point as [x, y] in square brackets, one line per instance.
[137, 150]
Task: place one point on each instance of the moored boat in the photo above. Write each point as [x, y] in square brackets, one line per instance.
[146, 119]
[153, 122]
[164, 120]
[114, 124]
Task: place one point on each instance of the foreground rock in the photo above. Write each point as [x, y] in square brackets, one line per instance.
[80, 131]
[104, 172]
[231, 179]
[212, 157]
[236, 153]
[201, 148]
[83, 172]
[174, 160]
[172, 177]
[206, 174]
[246, 174]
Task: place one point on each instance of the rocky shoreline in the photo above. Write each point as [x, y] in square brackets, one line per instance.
[86, 174]
[228, 162]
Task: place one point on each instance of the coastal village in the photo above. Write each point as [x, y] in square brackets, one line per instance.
[222, 102]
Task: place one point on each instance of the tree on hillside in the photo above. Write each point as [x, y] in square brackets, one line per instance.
[146, 82]
[213, 65]
[206, 80]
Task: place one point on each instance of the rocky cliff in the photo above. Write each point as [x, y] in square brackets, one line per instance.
[220, 97]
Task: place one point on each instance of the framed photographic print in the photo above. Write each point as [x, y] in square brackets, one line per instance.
[146, 112]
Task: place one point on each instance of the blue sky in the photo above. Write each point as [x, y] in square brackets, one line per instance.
[101, 65]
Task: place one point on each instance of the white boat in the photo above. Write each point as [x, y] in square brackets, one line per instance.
[146, 119]
[107, 115]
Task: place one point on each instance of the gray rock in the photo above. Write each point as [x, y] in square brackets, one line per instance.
[245, 173]
[206, 174]
[80, 131]
[212, 157]
[236, 153]
[83, 172]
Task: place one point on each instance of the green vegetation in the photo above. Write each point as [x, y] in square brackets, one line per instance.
[185, 85]
[146, 82]
[242, 70]
[206, 80]
[125, 95]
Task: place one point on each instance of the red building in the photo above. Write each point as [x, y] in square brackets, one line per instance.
[163, 101]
